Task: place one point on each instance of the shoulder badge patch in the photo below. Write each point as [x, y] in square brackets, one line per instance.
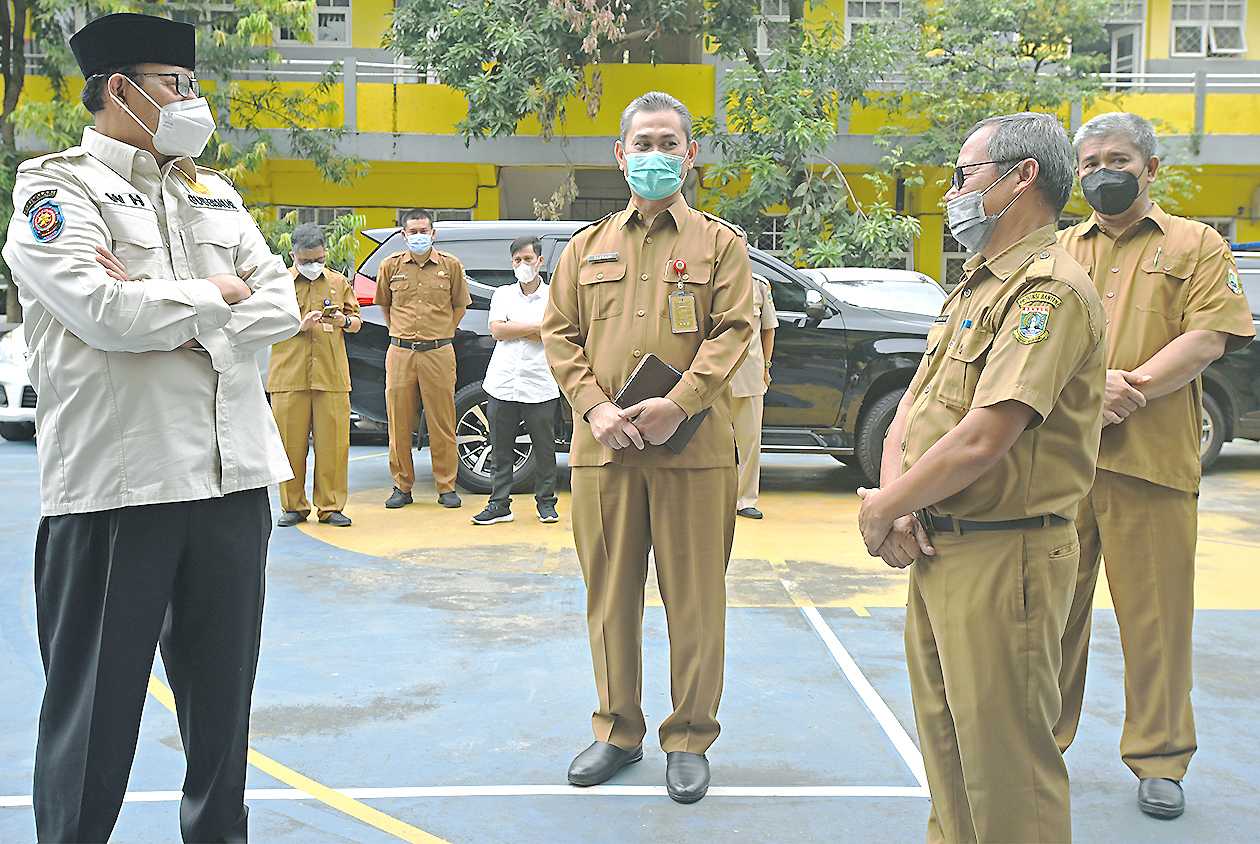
[1034, 316]
[36, 199]
[47, 221]
[1231, 281]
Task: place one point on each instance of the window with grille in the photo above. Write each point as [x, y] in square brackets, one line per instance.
[331, 24]
[865, 14]
[313, 214]
[1208, 28]
[1126, 11]
[770, 237]
[953, 257]
[1225, 226]
[772, 28]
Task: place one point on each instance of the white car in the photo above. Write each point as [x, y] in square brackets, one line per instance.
[17, 396]
[888, 290]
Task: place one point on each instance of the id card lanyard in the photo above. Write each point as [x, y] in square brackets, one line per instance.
[682, 305]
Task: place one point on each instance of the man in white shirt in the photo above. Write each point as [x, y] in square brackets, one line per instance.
[520, 386]
[148, 290]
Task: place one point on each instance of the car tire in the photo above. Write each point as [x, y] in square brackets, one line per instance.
[17, 431]
[475, 469]
[869, 449]
[1213, 434]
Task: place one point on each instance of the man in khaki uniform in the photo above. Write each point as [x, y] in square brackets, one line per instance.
[748, 390]
[309, 383]
[1174, 304]
[656, 279]
[992, 450]
[423, 295]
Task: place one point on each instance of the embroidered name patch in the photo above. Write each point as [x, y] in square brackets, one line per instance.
[1034, 316]
[603, 258]
[36, 199]
[212, 202]
[47, 221]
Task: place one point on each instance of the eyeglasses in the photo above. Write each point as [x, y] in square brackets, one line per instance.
[960, 176]
[186, 85]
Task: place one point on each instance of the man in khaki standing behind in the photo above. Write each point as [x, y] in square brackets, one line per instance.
[663, 279]
[748, 390]
[1174, 304]
[423, 295]
[309, 383]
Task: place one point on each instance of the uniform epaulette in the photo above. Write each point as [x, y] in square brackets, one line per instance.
[1042, 266]
[742, 234]
[66, 154]
[219, 173]
[595, 223]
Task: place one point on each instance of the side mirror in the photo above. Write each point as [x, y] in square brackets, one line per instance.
[815, 307]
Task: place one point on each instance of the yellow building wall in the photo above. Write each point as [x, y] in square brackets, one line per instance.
[369, 20]
[1158, 29]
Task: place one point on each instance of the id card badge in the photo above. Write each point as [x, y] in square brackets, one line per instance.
[682, 313]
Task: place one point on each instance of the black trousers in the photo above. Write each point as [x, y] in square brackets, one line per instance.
[108, 586]
[540, 424]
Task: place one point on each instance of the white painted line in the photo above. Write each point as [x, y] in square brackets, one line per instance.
[369, 456]
[874, 703]
[264, 794]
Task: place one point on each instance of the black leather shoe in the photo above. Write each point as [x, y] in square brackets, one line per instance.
[337, 520]
[398, 499]
[600, 761]
[750, 513]
[289, 518]
[450, 500]
[686, 776]
[1161, 798]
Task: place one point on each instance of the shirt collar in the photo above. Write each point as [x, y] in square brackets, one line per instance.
[542, 288]
[1003, 265]
[676, 209]
[1155, 214]
[121, 157]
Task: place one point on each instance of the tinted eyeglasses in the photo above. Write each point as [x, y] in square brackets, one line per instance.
[960, 172]
[186, 85]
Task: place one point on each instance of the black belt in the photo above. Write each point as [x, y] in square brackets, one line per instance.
[948, 524]
[421, 345]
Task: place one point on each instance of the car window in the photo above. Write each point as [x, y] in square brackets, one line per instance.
[1249, 273]
[788, 292]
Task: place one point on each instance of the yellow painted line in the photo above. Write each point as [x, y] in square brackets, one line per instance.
[330, 797]
[860, 611]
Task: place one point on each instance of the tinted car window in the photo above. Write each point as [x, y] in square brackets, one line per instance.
[788, 292]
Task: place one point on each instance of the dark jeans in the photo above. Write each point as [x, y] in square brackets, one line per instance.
[108, 587]
[540, 424]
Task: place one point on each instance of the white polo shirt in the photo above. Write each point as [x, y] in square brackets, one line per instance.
[518, 369]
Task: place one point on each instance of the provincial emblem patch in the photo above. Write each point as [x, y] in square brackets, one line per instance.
[1231, 281]
[1035, 308]
[47, 221]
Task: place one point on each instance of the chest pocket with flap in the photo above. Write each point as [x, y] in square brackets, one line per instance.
[1164, 284]
[698, 281]
[960, 372]
[137, 240]
[215, 243]
[601, 288]
[435, 290]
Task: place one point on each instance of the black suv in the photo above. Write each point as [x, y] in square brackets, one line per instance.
[838, 370]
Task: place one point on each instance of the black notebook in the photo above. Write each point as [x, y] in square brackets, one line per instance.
[653, 378]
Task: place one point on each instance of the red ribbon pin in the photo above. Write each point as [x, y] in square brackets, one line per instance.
[679, 265]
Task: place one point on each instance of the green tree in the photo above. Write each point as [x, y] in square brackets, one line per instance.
[342, 235]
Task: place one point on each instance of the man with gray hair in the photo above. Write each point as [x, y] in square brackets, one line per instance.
[1174, 304]
[309, 382]
[984, 466]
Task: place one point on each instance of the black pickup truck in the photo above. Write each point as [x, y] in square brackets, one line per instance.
[838, 371]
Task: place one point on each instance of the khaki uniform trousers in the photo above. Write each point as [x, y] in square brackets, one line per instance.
[687, 518]
[322, 416]
[746, 413]
[410, 378]
[1146, 535]
[983, 623]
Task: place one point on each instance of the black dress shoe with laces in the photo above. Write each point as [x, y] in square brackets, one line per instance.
[686, 776]
[600, 761]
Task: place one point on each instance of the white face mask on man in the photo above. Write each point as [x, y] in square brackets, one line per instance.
[311, 271]
[525, 272]
[184, 126]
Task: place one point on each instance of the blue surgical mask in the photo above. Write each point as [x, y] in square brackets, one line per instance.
[420, 243]
[654, 175]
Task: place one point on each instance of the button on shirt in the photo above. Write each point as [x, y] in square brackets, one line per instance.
[125, 416]
[609, 308]
[1026, 326]
[750, 378]
[315, 359]
[1163, 277]
[422, 295]
[518, 368]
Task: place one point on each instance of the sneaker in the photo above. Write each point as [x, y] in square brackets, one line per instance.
[398, 499]
[336, 520]
[289, 518]
[750, 513]
[450, 500]
[493, 515]
[547, 514]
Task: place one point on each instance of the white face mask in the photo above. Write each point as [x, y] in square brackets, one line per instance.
[967, 221]
[524, 272]
[184, 126]
[312, 270]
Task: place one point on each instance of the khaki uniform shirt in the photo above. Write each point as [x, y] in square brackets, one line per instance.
[609, 308]
[1165, 276]
[125, 416]
[422, 297]
[1025, 326]
[315, 359]
[750, 378]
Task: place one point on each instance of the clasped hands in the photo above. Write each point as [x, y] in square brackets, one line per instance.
[897, 540]
[650, 422]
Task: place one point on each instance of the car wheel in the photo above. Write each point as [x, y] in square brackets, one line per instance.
[17, 431]
[870, 434]
[475, 471]
[1213, 433]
